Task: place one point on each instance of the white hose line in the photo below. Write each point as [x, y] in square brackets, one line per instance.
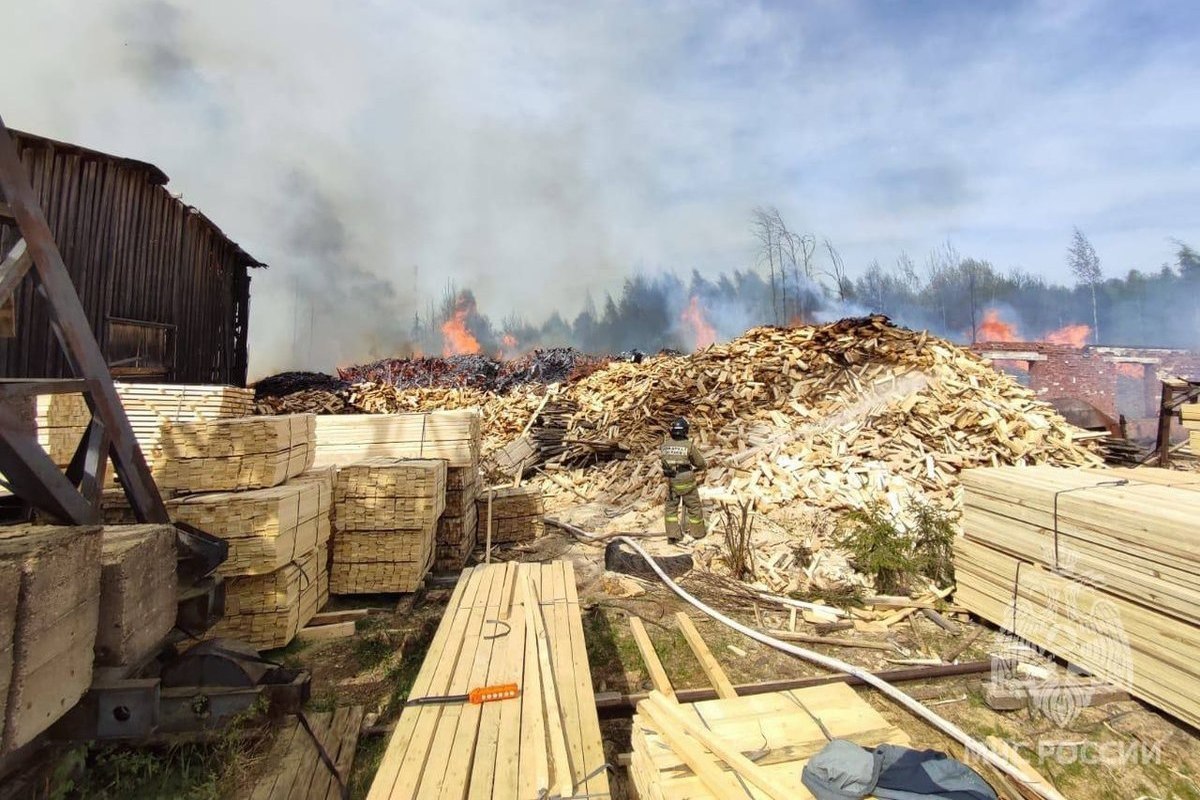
[944, 725]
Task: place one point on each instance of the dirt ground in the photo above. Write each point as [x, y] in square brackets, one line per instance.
[1119, 751]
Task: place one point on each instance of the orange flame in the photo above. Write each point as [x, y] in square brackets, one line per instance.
[994, 329]
[1132, 370]
[702, 333]
[508, 346]
[1072, 335]
[457, 339]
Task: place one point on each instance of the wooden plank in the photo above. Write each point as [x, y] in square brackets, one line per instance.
[718, 782]
[462, 749]
[297, 764]
[433, 678]
[589, 720]
[563, 779]
[716, 675]
[487, 772]
[420, 777]
[534, 771]
[280, 750]
[554, 608]
[1032, 777]
[658, 676]
[320, 633]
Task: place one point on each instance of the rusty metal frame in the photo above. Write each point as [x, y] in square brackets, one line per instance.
[73, 497]
[1175, 393]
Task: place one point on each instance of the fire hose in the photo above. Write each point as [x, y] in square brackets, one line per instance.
[1039, 787]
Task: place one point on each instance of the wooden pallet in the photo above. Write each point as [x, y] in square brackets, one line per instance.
[296, 770]
[453, 436]
[492, 634]
[779, 731]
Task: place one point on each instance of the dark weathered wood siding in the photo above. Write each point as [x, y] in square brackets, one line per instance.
[134, 253]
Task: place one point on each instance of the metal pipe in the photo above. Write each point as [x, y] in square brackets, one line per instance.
[942, 724]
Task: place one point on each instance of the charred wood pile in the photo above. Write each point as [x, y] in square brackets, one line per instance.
[838, 416]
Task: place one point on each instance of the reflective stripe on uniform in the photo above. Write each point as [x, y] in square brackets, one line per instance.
[672, 518]
[683, 488]
[695, 520]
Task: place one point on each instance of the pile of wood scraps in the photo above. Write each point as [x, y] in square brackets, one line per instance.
[1099, 568]
[386, 514]
[506, 624]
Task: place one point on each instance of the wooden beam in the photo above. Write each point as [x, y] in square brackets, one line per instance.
[658, 675]
[805, 638]
[1013, 355]
[718, 782]
[535, 622]
[320, 633]
[668, 712]
[13, 269]
[716, 675]
[1034, 779]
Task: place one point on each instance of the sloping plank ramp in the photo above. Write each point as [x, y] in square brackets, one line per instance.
[505, 749]
[297, 772]
[779, 732]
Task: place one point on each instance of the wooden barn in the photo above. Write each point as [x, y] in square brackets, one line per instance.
[166, 292]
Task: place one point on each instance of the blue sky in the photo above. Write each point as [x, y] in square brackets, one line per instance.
[536, 150]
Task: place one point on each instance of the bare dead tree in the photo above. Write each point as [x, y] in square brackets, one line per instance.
[763, 225]
[1085, 266]
[837, 271]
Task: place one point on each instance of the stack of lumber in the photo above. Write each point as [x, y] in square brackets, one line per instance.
[265, 528]
[457, 525]
[61, 421]
[781, 731]
[232, 454]
[1191, 421]
[515, 513]
[1098, 567]
[386, 512]
[268, 611]
[450, 435]
[137, 593]
[324, 478]
[49, 611]
[63, 417]
[546, 740]
[278, 554]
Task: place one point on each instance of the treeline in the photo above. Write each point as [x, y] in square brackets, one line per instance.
[799, 280]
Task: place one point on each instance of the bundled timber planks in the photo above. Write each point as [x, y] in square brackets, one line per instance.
[137, 593]
[1115, 596]
[516, 514]
[49, 624]
[325, 478]
[386, 511]
[779, 731]
[1191, 423]
[63, 417]
[265, 528]
[1129, 531]
[456, 528]
[502, 749]
[382, 494]
[268, 611]
[232, 454]
[453, 436]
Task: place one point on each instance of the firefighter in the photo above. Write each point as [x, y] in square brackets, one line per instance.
[681, 459]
